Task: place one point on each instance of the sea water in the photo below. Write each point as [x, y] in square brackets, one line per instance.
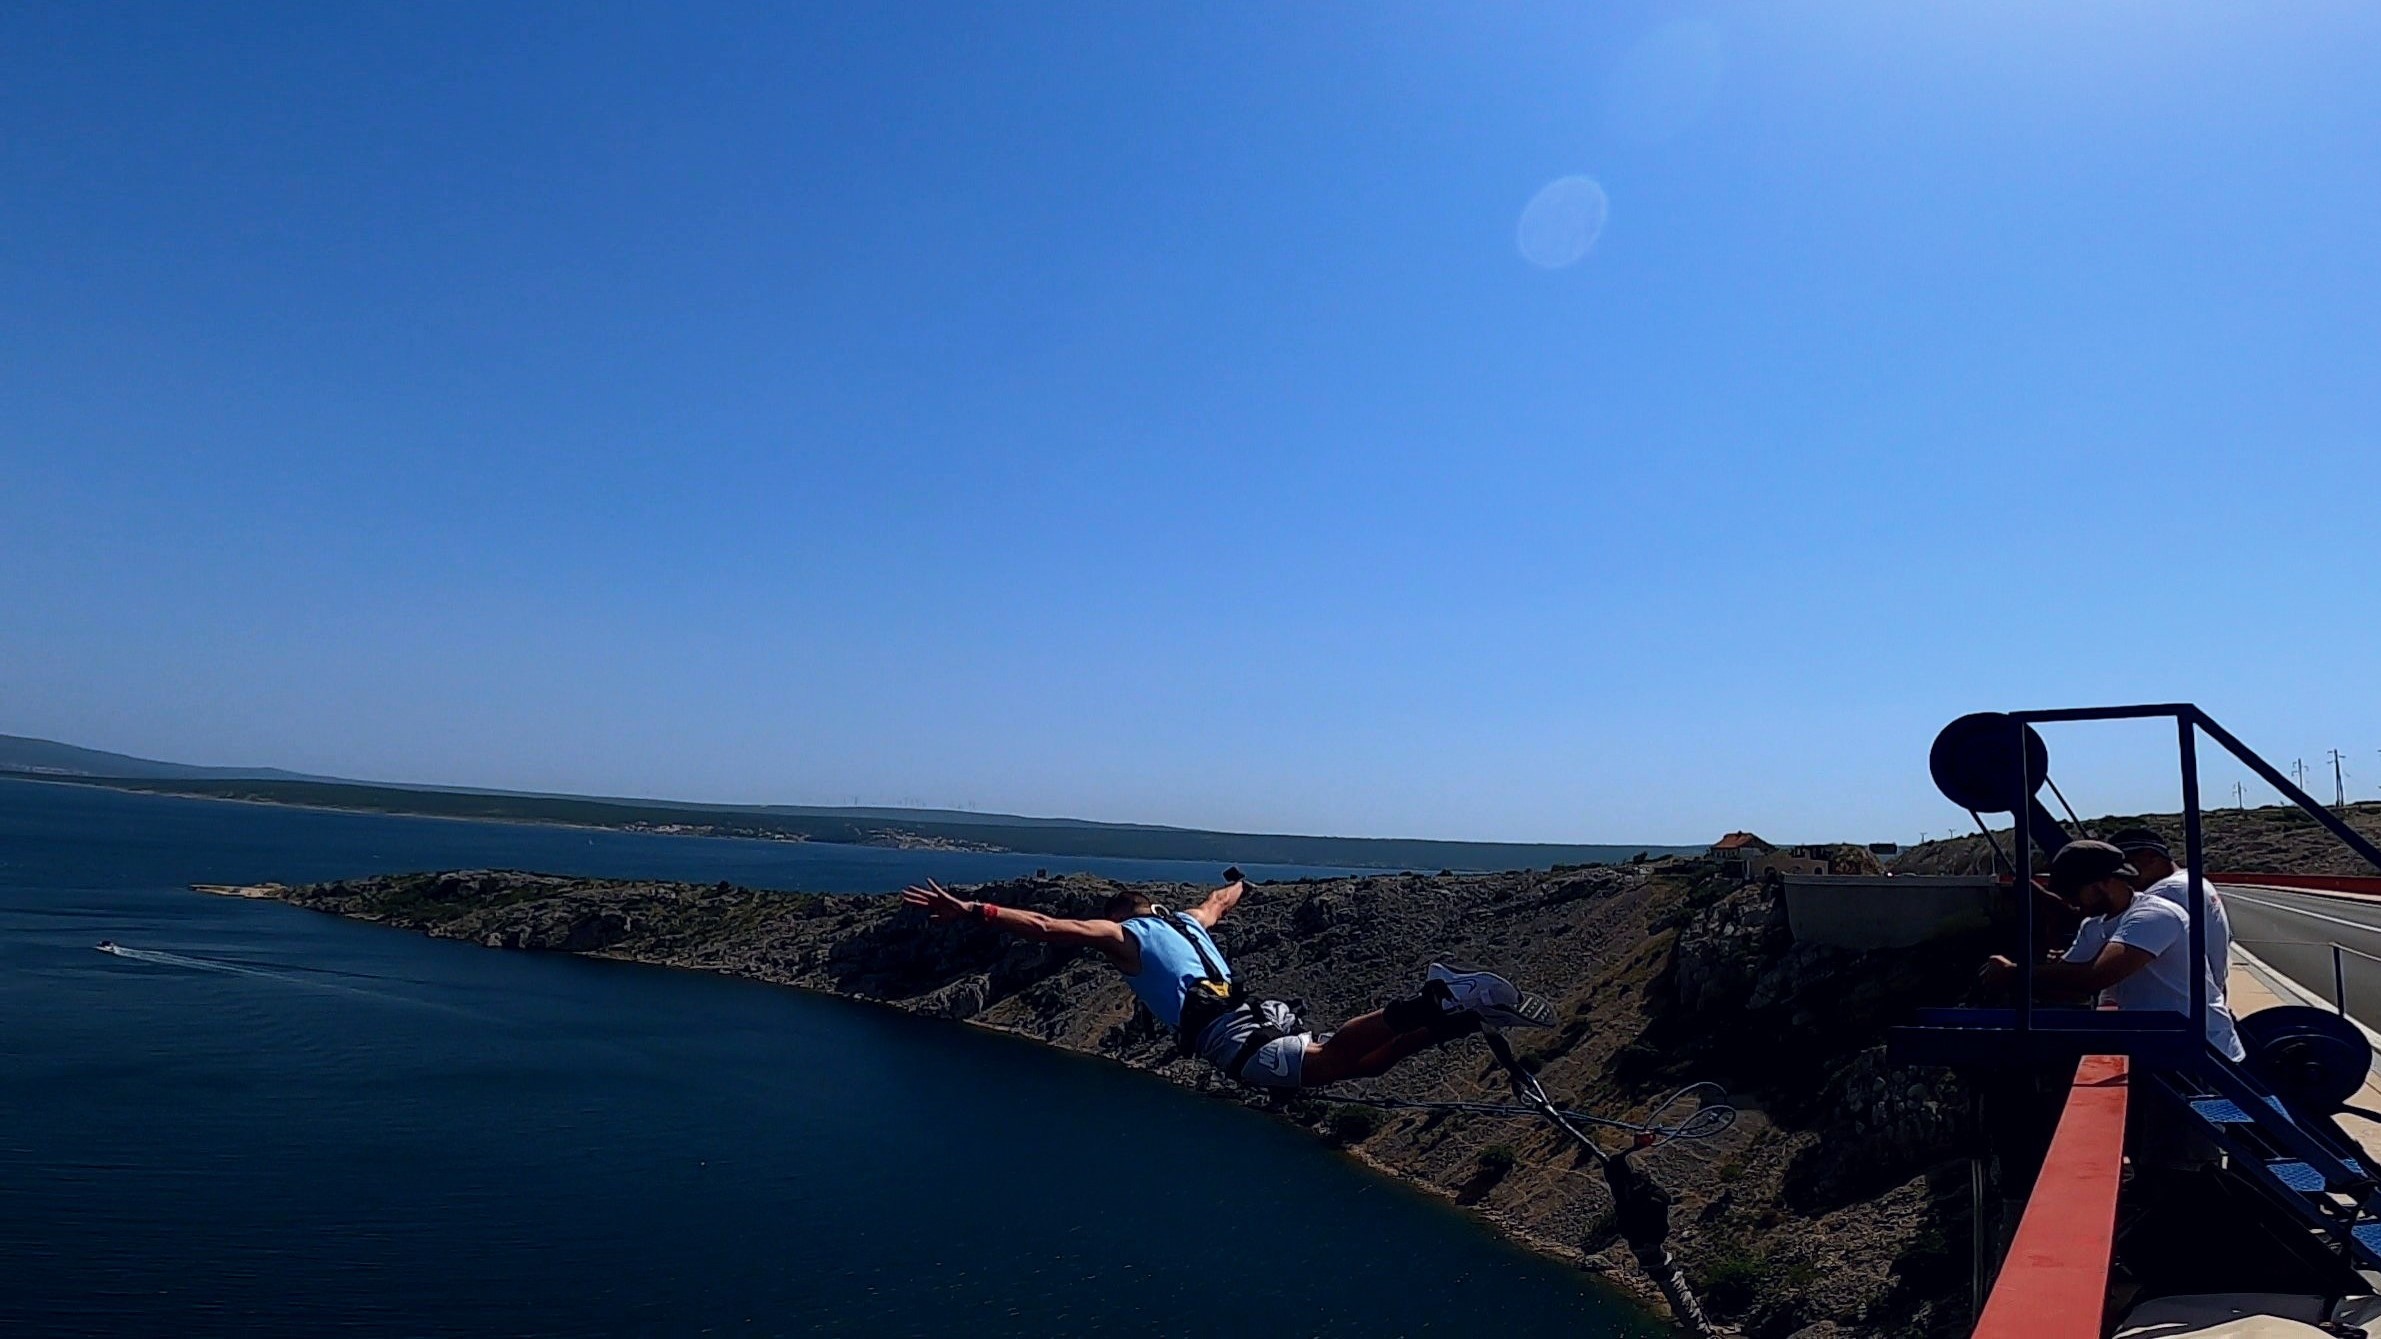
[259, 1120]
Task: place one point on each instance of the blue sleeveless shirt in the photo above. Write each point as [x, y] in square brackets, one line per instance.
[1169, 965]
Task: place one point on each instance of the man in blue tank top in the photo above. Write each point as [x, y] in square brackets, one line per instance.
[1173, 964]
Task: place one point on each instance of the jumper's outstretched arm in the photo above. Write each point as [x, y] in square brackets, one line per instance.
[1107, 937]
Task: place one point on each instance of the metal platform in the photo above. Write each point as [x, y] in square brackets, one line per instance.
[2298, 1160]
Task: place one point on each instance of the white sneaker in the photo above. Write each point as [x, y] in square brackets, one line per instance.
[1494, 1000]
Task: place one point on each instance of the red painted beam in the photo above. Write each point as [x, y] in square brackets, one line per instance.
[2054, 1285]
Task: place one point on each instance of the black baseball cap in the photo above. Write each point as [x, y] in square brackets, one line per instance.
[2082, 862]
[2130, 840]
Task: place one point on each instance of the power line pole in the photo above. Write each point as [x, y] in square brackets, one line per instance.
[2339, 783]
[2239, 799]
[2298, 772]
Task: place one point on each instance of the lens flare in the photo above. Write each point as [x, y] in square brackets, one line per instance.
[1560, 224]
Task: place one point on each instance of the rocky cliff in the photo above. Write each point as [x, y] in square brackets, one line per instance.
[1827, 1210]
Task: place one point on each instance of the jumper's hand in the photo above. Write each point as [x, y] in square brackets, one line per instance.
[1997, 970]
[939, 905]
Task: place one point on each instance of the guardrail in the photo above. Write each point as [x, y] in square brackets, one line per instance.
[2316, 883]
[2339, 967]
[2054, 1281]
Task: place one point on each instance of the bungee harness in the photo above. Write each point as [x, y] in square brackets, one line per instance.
[1214, 997]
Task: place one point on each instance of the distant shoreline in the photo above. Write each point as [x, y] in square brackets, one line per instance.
[1056, 839]
[94, 783]
[262, 802]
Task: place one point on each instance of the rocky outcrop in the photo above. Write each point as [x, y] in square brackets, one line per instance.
[1821, 1207]
[1726, 955]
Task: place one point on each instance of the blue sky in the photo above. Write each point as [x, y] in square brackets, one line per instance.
[1165, 414]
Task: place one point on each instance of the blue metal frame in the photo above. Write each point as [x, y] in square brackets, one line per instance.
[2026, 1035]
[2291, 1157]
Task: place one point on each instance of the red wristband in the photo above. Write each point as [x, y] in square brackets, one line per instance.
[989, 911]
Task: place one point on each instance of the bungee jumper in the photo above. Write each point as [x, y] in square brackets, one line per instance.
[1172, 963]
[1174, 967]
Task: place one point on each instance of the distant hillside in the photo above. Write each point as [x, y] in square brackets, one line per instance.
[49, 757]
[917, 828]
[2275, 839]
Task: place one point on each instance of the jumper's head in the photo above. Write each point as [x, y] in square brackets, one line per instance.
[1128, 904]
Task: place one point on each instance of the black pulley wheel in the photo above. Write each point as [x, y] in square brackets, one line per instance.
[2312, 1057]
[1974, 762]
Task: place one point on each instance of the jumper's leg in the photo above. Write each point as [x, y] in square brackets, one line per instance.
[1368, 1045]
[1381, 1059]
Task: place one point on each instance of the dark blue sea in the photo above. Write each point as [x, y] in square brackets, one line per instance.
[268, 1121]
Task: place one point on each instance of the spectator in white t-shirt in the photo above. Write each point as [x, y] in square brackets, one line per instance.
[2134, 951]
[2158, 876]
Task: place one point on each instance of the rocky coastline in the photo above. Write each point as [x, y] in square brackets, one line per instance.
[1835, 1207]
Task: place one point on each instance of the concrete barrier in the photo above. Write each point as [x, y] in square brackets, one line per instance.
[1869, 912]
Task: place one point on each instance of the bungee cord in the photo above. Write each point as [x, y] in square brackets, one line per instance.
[1707, 1122]
[1640, 1206]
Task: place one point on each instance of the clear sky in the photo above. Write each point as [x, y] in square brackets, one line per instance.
[1602, 422]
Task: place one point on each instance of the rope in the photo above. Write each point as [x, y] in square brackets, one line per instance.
[1641, 1207]
[1707, 1122]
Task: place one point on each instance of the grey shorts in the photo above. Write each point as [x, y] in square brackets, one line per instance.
[1280, 1063]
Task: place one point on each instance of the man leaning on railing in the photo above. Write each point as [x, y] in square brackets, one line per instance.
[2146, 851]
[2133, 950]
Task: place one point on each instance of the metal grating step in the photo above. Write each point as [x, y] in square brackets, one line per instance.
[2221, 1111]
[2298, 1176]
[2305, 1179]
[2305, 1174]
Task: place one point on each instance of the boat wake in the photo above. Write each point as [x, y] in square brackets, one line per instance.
[195, 964]
[160, 958]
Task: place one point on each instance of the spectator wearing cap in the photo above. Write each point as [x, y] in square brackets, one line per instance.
[2133, 950]
[2158, 876]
